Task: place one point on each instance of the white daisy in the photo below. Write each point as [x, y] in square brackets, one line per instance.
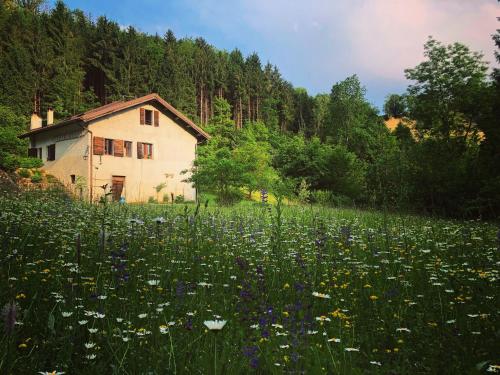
[321, 295]
[215, 325]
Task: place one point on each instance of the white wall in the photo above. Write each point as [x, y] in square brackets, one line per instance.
[70, 153]
[173, 151]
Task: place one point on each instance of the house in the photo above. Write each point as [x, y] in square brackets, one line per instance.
[132, 148]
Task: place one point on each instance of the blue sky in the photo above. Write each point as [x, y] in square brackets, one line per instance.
[316, 43]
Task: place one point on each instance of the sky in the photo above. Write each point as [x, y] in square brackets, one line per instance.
[316, 43]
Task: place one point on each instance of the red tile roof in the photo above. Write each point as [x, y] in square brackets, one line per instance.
[108, 109]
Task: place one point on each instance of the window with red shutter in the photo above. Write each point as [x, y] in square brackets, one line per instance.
[140, 153]
[142, 116]
[118, 147]
[98, 146]
[148, 151]
[157, 118]
[128, 148]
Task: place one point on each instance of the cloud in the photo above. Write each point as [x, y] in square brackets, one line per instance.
[387, 36]
[319, 42]
[316, 43]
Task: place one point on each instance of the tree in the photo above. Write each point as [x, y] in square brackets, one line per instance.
[321, 103]
[395, 106]
[254, 154]
[347, 107]
[446, 90]
[12, 149]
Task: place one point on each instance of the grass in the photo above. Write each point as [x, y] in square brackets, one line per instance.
[113, 289]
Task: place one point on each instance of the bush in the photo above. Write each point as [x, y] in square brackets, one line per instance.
[341, 200]
[9, 162]
[179, 199]
[51, 179]
[303, 192]
[152, 200]
[30, 162]
[229, 197]
[322, 197]
[36, 177]
[24, 173]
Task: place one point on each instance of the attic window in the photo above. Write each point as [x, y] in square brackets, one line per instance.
[148, 114]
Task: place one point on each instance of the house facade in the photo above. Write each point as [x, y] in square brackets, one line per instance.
[134, 149]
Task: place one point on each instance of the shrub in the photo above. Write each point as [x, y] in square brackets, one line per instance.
[8, 162]
[30, 162]
[322, 197]
[179, 199]
[229, 197]
[304, 193]
[339, 200]
[152, 200]
[52, 179]
[36, 177]
[24, 173]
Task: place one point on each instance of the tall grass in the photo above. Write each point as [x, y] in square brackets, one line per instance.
[126, 289]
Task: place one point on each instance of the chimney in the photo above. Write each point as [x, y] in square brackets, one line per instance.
[50, 116]
[36, 121]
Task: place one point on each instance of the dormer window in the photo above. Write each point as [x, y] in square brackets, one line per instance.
[148, 117]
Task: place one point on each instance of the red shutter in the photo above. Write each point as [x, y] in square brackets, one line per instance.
[157, 118]
[98, 146]
[140, 151]
[143, 116]
[118, 147]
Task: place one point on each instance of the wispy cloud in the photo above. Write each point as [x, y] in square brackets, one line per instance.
[318, 42]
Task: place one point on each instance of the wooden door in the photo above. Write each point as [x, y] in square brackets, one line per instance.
[117, 187]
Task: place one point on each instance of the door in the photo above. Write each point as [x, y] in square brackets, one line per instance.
[118, 182]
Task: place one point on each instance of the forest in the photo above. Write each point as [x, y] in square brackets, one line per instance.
[333, 148]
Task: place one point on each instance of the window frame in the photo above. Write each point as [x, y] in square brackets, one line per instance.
[145, 148]
[148, 113]
[107, 150]
[127, 151]
[51, 152]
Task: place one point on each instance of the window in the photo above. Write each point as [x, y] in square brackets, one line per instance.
[73, 178]
[144, 150]
[39, 153]
[128, 149]
[51, 152]
[108, 146]
[148, 150]
[148, 117]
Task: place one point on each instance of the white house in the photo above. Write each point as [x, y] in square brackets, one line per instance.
[132, 146]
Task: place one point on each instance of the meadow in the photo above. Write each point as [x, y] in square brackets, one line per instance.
[110, 289]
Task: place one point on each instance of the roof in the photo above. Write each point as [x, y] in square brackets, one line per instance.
[114, 107]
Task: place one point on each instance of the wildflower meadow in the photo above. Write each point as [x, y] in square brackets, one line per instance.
[268, 289]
